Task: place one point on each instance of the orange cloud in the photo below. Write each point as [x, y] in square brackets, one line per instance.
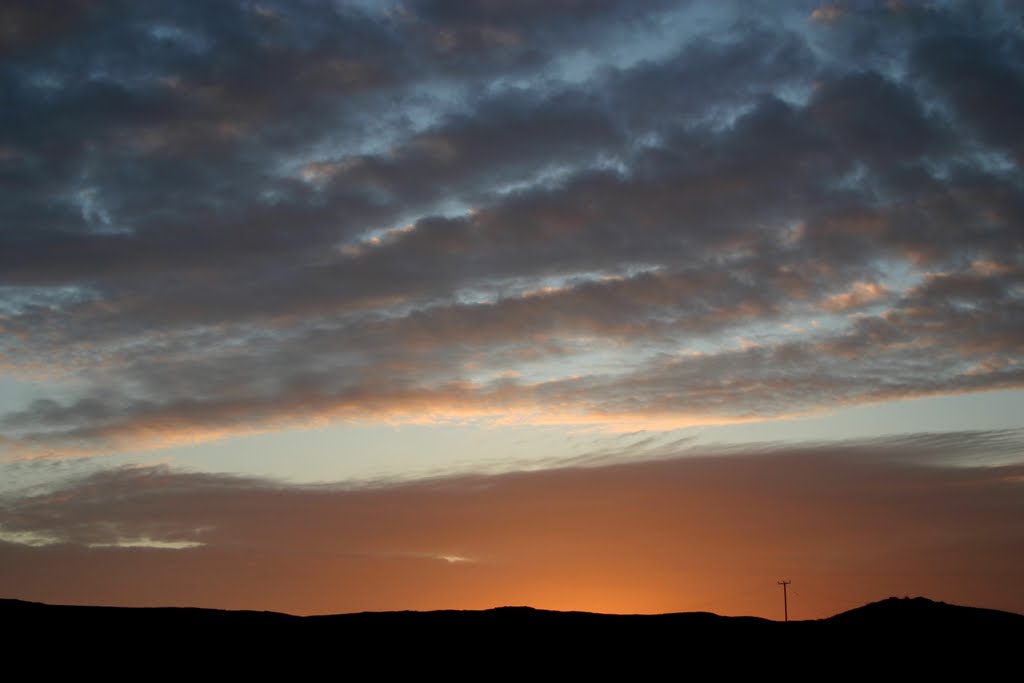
[859, 295]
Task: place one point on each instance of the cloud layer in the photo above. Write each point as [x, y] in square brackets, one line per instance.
[227, 217]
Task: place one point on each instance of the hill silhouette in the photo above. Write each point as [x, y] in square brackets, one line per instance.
[887, 631]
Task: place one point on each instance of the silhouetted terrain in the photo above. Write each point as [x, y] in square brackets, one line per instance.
[909, 632]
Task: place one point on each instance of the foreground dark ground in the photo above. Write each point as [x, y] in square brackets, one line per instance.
[912, 633]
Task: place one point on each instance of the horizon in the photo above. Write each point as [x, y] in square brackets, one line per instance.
[880, 601]
[615, 307]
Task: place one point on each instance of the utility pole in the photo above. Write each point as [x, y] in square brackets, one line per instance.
[785, 599]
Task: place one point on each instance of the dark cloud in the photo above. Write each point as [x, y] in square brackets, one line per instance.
[981, 77]
[875, 120]
[221, 218]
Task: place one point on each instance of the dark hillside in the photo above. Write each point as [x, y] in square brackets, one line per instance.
[897, 632]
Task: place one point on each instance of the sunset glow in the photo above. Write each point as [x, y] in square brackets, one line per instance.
[616, 306]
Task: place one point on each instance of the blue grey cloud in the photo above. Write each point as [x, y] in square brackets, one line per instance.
[229, 216]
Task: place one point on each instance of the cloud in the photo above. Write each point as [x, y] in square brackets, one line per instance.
[698, 530]
[221, 220]
[861, 294]
[827, 14]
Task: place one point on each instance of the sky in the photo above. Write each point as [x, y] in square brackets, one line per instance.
[600, 305]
